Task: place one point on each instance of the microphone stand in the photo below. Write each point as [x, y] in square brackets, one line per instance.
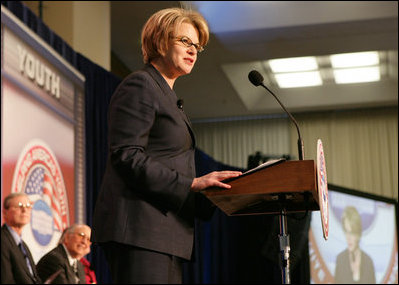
[301, 152]
[285, 248]
[284, 238]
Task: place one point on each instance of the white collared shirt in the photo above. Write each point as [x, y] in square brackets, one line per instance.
[17, 238]
[71, 260]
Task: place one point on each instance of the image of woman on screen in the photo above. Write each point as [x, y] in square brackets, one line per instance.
[353, 265]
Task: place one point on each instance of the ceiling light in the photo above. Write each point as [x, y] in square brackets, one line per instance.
[298, 79]
[293, 64]
[357, 75]
[344, 60]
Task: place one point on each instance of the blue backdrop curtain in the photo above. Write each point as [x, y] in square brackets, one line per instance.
[239, 249]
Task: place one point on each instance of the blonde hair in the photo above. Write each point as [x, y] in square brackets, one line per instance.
[161, 27]
[354, 221]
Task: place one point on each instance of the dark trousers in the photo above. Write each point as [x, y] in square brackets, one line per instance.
[133, 265]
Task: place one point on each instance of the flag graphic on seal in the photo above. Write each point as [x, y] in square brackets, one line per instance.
[40, 182]
[39, 175]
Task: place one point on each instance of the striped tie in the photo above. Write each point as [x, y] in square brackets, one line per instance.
[22, 247]
[75, 269]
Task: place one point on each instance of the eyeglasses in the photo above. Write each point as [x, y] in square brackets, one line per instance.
[188, 43]
[21, 206]
[83, 237]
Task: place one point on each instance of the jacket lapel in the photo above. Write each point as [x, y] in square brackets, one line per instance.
[171, 95]
[21, 257]
[70, 273]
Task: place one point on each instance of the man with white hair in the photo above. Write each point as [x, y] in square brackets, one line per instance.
[64, 259]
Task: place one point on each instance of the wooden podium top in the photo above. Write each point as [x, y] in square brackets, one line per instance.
[289, 185]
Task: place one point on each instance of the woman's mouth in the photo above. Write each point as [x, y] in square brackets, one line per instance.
[189, 60]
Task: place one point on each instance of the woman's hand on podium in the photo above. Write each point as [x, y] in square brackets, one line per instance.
[213, 179]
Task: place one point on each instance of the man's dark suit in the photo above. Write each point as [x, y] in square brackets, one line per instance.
[13, 264]
[55, 260]
[145, 200]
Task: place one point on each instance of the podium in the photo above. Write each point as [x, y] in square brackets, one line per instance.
[289, 185]
[280, 187]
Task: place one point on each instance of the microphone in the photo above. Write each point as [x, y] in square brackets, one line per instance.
[257, 79]
[180, 103]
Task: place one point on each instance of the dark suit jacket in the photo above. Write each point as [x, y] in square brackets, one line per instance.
[343, 271]
[13, 263]
[145, 197]
[55, 260]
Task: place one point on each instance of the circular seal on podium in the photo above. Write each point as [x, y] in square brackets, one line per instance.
[322, 187]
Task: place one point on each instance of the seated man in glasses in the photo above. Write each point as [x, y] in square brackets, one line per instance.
[17, 264]
[62, 263]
